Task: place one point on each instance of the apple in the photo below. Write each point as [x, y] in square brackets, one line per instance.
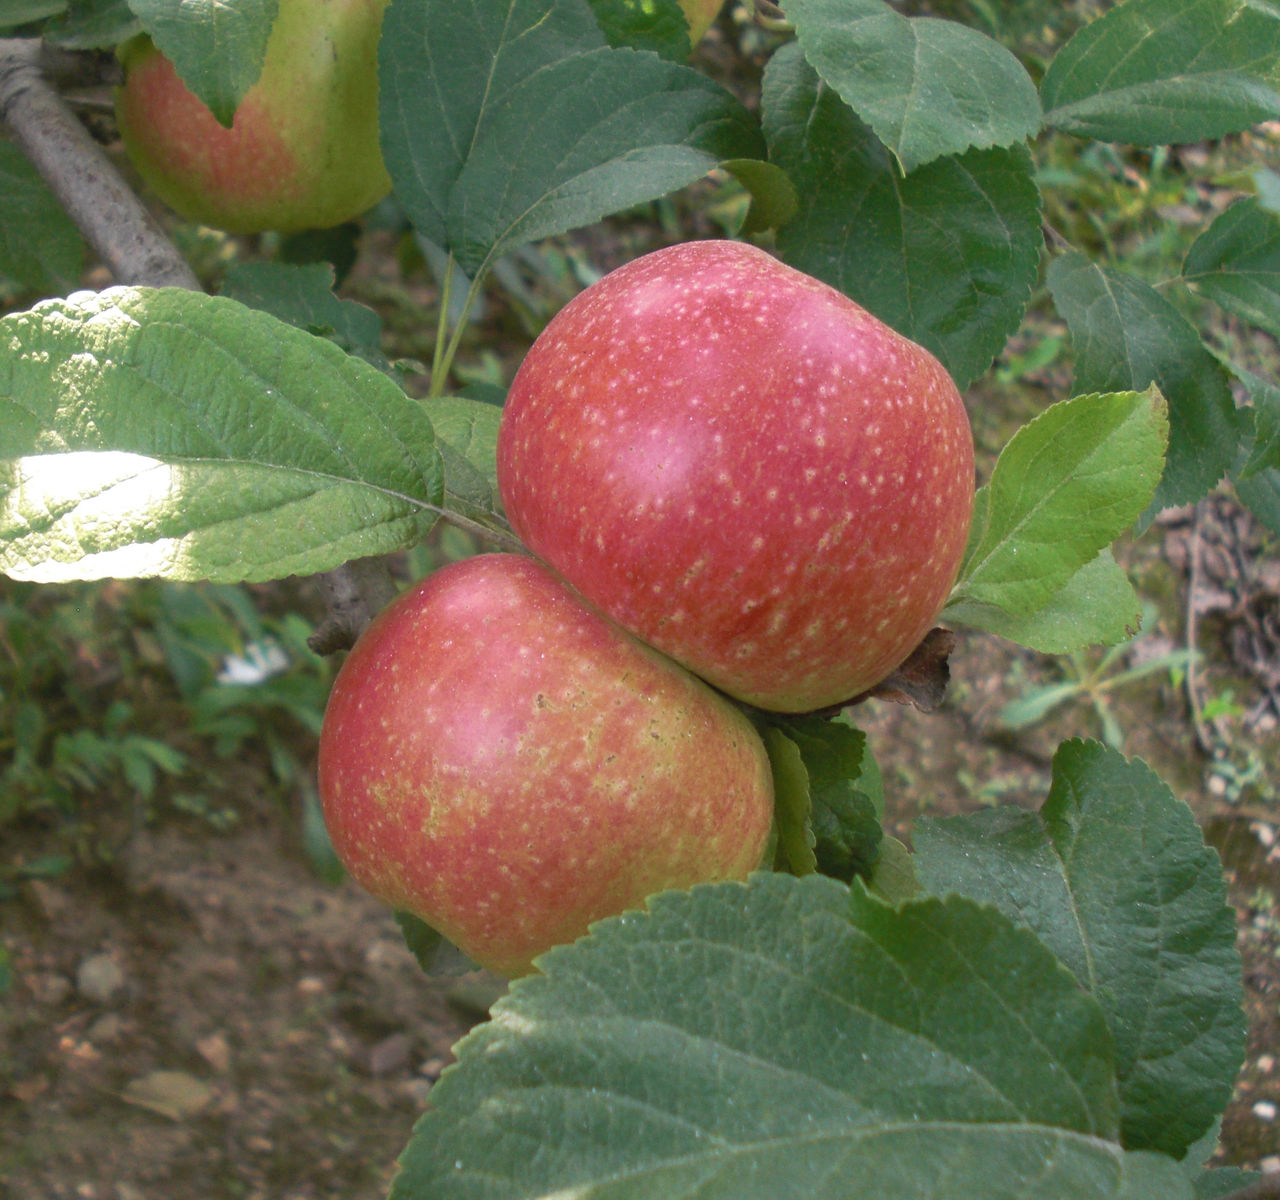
[745, 469]
[302, 151]
[507, 764]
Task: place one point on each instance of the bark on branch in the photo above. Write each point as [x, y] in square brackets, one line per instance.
[79, 173]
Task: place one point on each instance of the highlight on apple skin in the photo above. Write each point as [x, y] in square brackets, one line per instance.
[507, 764]
[745, 469]
[302, 151]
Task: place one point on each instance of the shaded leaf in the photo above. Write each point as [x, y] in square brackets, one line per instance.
[781, 1038]
[302, 295]
[467, 433]
[1126, 336]
[1264, 451]
[1260, 493]
[40, 246]
[585, 137]
[843, 817]
[1114, 876]
[947, 256]
[99, 25]
[1155, 72]
[657, 25]
[534, 125]
[466, 58]
[926, 87]
[1236, 263]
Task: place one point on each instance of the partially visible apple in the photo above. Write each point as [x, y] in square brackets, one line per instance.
[745, 469]
[302, 152]
[505, 763]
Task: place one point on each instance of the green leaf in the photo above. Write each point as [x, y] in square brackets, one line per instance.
[1127, 336]
[1114, 876]
[947, 256]
[780, 1038]
[467, 434]
[657, 25]
[1264, 396]
[1097, 606]
[40, 246]
[216, 46]
[1150, 1176]
[893, 878]
[536, 127]
[843, 817]
[302, 295]
[14, 13]
[774, 201]
[1236, 263]
[424, 942]
[1223, 1182]
[444, 69]
[97, 25]
[791, 803]
[1067, 485]
[165, 432]
[1155, 72]
[928, 88]
[1260, 493]
[586, 137]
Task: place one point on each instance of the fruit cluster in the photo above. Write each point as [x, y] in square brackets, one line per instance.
[738, 487]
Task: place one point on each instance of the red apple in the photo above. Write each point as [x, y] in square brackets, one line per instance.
[302, 152]
[504, 762]
[745, 469]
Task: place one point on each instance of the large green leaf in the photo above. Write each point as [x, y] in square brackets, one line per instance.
[1114, 876]
[781, 1038]
[1154, 72]
[216, 46]
[510, 122]
[1127, 336]
[1065, 487]
[585, 137]
[947, 256]
[40, 247]
[927, 87]
[165, 432]
[444, 69]
[1236, 263]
